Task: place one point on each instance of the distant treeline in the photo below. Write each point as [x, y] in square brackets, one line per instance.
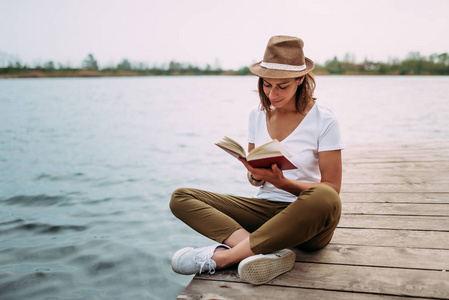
[414, 64]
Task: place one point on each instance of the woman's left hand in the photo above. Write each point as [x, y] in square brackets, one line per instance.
[272, 175]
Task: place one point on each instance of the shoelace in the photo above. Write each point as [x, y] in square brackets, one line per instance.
[203, 261]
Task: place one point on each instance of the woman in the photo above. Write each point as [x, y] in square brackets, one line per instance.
[292, 208]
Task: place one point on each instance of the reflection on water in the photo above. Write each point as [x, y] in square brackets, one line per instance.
[87, 167]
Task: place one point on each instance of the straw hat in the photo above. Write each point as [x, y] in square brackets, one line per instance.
[283, 58]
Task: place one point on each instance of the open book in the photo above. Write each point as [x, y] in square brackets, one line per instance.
[261, 157]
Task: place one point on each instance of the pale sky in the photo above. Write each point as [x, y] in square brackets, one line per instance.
[233, 32]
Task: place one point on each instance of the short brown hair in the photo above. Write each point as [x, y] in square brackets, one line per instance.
[304, 94]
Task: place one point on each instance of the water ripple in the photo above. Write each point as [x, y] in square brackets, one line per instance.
[74, 176]
[39, 200]
[46, 228]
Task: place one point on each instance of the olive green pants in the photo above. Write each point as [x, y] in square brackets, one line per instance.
[308, 222]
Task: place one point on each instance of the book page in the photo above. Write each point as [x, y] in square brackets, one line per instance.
[273, 146]
[232, 147]
[263, 154]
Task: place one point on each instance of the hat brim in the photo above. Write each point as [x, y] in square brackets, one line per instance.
[260, 71]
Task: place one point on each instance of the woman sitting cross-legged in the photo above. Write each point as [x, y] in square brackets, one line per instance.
[292, 208]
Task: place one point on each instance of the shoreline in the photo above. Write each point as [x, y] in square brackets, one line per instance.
[91, 73]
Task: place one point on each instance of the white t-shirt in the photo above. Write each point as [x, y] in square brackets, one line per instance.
[318, 131]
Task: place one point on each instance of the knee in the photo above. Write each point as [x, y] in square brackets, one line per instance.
[324, 191]
[177, 199]
[326, 199]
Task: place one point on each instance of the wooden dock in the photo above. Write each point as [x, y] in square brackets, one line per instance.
[392, 241]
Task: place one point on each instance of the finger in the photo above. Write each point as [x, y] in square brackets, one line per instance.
[246, 164]
[275, 169]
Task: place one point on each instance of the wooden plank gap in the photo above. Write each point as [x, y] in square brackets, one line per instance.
[372, 266]
[398, 192]
[411, 247]
[398, 203]
[394, 215]
[392, 228]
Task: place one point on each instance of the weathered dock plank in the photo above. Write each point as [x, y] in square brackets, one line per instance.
[392, 257]
[358, 279]
[427, 198]
[395, 238]
[201, 289]
[426, 223]
[404, 209]
[412, 187]
[392, 241]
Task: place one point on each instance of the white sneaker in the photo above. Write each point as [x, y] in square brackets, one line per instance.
[261, 268]
[188, 261]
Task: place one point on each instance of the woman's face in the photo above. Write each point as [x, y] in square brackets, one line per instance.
[281, 92]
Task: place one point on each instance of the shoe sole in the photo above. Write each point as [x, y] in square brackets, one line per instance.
[174, 261]
[262, 269]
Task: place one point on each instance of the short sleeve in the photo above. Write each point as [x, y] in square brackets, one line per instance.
[330, 137]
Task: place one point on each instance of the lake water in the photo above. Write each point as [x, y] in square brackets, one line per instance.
[87, 167]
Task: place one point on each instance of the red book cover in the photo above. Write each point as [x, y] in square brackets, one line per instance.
[273, 151]
[282, 162]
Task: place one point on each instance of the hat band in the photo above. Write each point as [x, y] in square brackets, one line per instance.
[282, 67]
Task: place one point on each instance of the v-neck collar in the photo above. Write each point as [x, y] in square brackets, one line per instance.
[296, 128]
